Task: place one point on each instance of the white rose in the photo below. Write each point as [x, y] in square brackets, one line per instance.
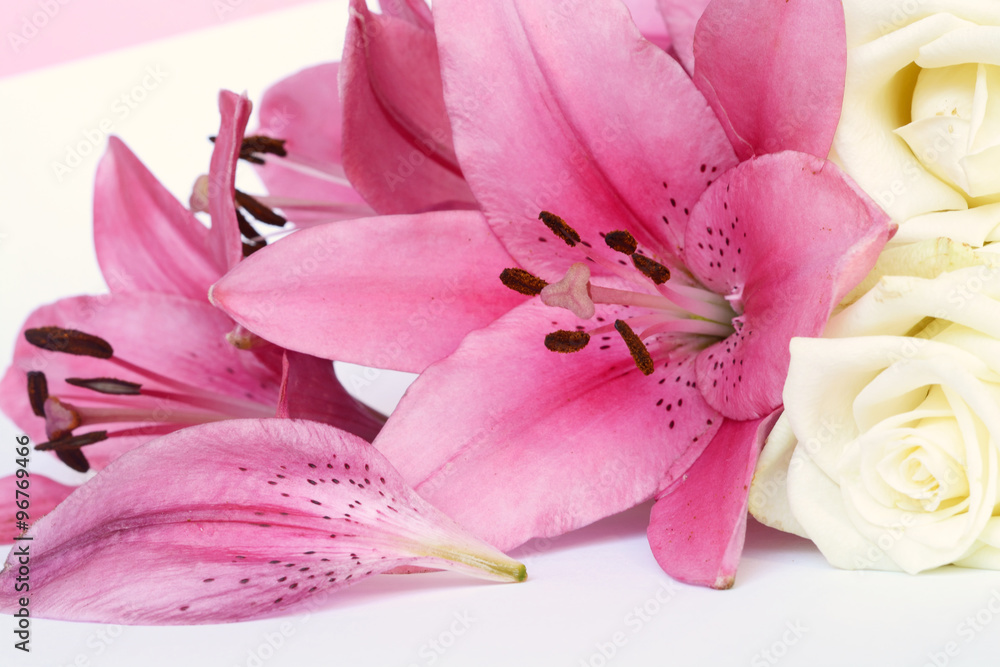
[920, 129]
[888, 454]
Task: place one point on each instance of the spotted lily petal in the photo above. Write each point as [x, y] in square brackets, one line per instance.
[758, 236]
[570, 441]
[537, 130]
[262, 517]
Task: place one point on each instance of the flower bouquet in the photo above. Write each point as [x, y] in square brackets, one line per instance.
[682, 262]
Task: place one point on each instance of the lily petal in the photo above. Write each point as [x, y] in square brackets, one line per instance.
[649, 20]
[681, 17]
[424, 281]
[698, 523]
[145, 239]
[310, 390]
[44, 494]
[398, 148]
[758, 236]
[261, 517]
[416, 12]
[224, 236]
[305, 110]
[564, 440]
[536, 128]
[774, 72]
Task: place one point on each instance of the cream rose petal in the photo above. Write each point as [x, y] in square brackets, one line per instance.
[768, 501]
[898, 304]
[880, 78]
[870, 19]
[918, 487]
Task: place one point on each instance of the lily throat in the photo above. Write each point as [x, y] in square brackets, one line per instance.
[668, 313]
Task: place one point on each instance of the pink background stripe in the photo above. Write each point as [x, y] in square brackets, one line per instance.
[39, 33]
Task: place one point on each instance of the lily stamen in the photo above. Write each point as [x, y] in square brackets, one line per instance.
[168, 403]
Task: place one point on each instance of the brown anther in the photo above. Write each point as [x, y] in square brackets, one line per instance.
[559, 227]
[75, 459]
[658, 273]
[249, 248]
[70, 341]
[259, 211]
[72, 442]
[522, 282]
[635, 347]
[621, 241]
[107, 385]
[38, 391]
[253, 242]
[567, 341]
[259, 144]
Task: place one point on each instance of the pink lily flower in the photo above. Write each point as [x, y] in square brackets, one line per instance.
[687, 272]
[261, 518]
[170, 365]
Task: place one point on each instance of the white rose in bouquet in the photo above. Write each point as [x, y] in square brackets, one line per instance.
[920, 129]
[888, 454]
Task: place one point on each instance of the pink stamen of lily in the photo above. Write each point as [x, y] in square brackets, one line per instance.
[261, 518]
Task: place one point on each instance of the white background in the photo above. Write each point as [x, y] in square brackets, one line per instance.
[585, 590]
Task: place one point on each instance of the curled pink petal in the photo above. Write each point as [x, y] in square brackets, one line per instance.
[224, 235]
[398, 148]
